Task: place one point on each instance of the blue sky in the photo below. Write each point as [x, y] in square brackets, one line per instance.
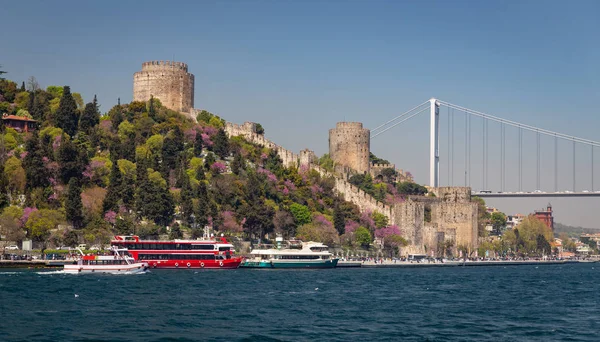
[297, 67]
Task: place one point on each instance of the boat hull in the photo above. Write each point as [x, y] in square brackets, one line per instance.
[289, 264]
[195, 264]
[110, 269]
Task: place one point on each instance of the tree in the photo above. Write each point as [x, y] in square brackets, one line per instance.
[301, 214]
[72, 160]
[482, 215]
[90, 117]
[187, 207]
[2, 73]
[389, 174]
[380, 219]
[498, 220]
[172, 147]
[410, 188]
[362, 236]
[175, 232]
[36, 174]
[221, 143]
[67, 116]
[41, 222]
[73, 205]
[339, 221]
[284, 223]
[111, 200]
[238, 164]
[326, 162]
[259, 129]
[198, 144]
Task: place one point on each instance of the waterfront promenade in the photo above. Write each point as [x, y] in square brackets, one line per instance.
[413, 264]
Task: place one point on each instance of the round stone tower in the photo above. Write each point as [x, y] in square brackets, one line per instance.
[349, 146]
[168, 81]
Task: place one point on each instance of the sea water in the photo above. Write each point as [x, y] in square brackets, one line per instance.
[501, 303]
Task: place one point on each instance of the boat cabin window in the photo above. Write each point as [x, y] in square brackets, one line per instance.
[222, 249]
[319, 249]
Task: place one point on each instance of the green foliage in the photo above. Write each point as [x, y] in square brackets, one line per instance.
[301, 214]
[260, 129]
[73, 205]
[374, 159]
[175, 232]
[36, 173]
[364, 182]
[41, 222]
[221, 144]
[362, 236]
[410, 188]
[498, 221]
[67, 114]
[482, 215]
[339, 220]
[326, 162]
[380, 219]
[90, 117]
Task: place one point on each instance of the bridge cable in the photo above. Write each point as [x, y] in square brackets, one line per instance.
[502, 157]
[466, 115]
[483, 155]
[452, 146]
[520, 159]
[399, 116]
[555, 163]
[573, 165]
[522, 126]
[449, 156]
[397, 123]
[592, 168]
[469, 148]
[538, 161]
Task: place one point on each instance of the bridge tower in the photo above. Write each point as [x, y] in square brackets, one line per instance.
[434, 147]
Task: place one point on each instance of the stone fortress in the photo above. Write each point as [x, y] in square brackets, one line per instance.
[426, 221]
[168, 81]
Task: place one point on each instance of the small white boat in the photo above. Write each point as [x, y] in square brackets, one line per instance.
[117, 263]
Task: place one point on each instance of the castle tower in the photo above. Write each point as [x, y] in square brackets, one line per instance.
[168, 81]
[349, 146]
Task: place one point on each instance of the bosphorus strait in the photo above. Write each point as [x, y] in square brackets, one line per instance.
[526, 303]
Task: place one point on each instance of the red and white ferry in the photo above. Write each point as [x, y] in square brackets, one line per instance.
[180, 253]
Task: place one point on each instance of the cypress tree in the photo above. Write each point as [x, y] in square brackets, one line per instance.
[186, 207]
[339, 221]
[66, 116]
[31, 102]
[142, 187]
[90, 117]
[200, 175]
[209, 160]
[128, 191]
[111, 200]
[36, 174]
[221, 144]
[198, 144]
[237, 164]
[73, 205]
[202, 210]
[72, 160]
[22, 86]
[151, 109]
[172, 147]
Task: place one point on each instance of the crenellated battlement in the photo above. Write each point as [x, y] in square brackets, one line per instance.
[164, 65]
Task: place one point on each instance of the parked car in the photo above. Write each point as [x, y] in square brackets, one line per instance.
[12, 247]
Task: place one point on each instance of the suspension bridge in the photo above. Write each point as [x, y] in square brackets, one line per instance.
[508, 139]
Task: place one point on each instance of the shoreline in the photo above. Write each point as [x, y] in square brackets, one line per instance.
[406, 264]
[24, 264]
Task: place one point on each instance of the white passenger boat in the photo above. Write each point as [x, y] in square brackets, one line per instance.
[312, 255]
[117, 263]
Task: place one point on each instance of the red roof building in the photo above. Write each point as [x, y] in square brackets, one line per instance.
[19, 123]
[545, 216]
